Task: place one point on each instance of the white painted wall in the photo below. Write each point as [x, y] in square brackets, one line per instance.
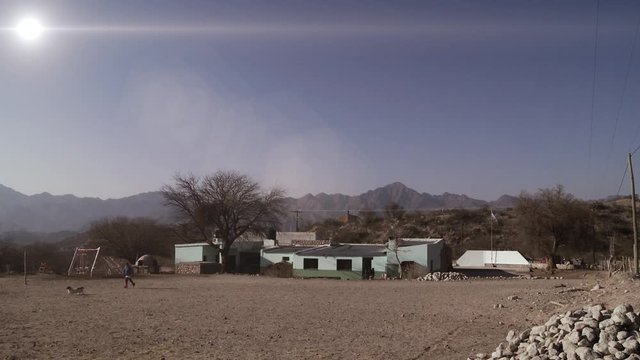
[425, 255]
[330, 263]
[267, 259]
[478, 258]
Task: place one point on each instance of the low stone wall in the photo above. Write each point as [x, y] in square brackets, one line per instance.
[443, 276]
[196, 268]
[543, 266]
[280, 270]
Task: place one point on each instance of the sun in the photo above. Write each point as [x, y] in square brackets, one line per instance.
[29, 29]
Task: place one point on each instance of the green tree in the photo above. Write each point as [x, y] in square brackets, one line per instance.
[226, 205]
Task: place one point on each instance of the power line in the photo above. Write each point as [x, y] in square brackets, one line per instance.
[626, 168]
[634, 151]
[637, 134]
[621, 102]
[624, 89]
[593, 87]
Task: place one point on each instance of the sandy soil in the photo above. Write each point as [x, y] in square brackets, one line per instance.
[249, 317]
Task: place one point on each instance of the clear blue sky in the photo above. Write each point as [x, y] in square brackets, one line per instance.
[474, 97]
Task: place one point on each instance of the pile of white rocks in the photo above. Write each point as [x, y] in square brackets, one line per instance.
[443, 276]
[591, 333]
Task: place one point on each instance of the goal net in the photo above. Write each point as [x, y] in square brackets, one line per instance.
[84, 262]
[93, 262]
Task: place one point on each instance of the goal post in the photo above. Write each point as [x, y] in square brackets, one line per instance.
[83, 262]
[72, 261]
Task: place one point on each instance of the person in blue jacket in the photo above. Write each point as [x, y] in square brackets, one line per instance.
[128, 275]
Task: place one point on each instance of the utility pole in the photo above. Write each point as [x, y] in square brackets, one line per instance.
[633, 217]
[297, 220]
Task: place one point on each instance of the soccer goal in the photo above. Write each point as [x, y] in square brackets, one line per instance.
[84, 262]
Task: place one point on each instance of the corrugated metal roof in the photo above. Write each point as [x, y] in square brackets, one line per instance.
[286, 249]
[418, 241]
[347, 250]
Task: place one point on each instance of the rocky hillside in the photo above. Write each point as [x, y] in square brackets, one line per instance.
[322, 206]
[46, 213]
[396, 193]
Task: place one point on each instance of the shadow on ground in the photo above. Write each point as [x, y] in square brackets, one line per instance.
[488, 273]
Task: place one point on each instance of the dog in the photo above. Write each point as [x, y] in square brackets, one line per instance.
[76, 291]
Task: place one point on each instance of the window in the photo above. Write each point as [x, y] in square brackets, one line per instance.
[285, 258]
[343, 264]
[310, 263]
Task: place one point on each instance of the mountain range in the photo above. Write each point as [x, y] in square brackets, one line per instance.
[46, 213]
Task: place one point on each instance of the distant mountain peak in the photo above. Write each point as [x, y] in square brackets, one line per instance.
[49, 213]
[396, 184]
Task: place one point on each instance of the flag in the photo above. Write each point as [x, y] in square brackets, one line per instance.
[493, 217]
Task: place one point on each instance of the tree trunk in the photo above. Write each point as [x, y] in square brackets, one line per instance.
[551, 265]
[399, 265]
[224, 252]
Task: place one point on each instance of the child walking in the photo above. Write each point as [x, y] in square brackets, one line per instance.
[128, 275]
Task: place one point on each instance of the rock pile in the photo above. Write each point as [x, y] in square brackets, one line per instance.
[591, 333]
[443, 276]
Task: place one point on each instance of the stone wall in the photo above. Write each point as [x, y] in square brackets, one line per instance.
[196, 268]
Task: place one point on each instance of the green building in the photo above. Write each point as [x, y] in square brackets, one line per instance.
[336, 261]
[341, 261]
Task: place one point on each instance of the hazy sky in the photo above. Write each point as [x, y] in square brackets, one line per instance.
[474, 97]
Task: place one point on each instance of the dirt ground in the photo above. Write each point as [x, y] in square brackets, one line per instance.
[251, 317]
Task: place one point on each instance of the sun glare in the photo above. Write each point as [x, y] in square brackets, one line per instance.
[29, 29]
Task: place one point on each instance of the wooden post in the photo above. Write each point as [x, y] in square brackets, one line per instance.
[633, 218]
[25, 266]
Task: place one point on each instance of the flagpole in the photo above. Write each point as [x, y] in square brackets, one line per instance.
[491, 237]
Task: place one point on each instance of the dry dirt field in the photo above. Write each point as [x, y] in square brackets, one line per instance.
[250, 317]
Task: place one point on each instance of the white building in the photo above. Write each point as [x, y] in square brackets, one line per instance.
[492, 258]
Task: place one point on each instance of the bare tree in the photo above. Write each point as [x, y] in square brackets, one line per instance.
[554, 218]
[129, 238]
[226, 205]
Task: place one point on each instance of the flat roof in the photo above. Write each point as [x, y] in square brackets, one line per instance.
[418, 241]
[193, 244]
[347, 250]
[286, 249]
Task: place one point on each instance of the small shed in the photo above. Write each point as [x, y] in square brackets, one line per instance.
[197, 258]
[147, 264]
[417, 256]
[493, 258]
[341, 261]
[196, 252]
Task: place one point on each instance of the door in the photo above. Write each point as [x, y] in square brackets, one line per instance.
[367, 270]
[231, 264]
